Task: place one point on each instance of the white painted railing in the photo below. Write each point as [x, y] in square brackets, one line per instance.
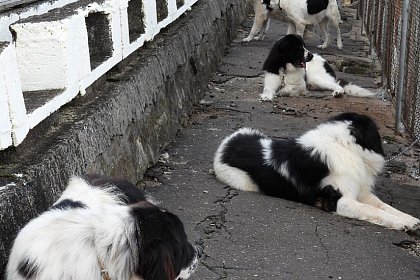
[53, 51]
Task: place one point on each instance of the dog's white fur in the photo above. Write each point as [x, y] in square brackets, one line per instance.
[291, 81]
[63, 226]
[318, 78]
[352, 171]
[295, 13]
[72, 243]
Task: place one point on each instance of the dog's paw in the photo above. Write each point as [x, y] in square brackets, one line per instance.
[259, 37]
[339, 45]
[247, 39]
[265, 97]
[337, 94]
[323, 46]
[415, 230]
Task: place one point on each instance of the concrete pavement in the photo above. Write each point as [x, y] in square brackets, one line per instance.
[252, 236]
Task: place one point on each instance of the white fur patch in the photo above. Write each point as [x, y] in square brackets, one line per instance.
[294, 81]
[232, 176]
[351, 170]
[317, 77]
[272, 82]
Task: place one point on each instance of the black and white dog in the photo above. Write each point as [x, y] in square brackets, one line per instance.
[105, 229]
[332, 166]
[290, 67]
[298, 14]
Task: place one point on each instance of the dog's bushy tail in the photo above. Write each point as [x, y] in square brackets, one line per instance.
[355, 90]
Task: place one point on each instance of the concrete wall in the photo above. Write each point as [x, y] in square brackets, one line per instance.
[60, 47]
[123, 121]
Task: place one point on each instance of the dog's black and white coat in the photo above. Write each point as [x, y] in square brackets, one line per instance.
[333, 167]
[104, 226]
[298, 14]
[290, 68]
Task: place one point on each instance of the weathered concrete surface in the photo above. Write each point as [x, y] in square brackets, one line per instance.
[252, 236]
[123, 122]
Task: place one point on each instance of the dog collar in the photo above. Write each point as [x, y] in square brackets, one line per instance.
[104, 272]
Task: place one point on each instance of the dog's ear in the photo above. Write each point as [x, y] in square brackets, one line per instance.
[157, 262]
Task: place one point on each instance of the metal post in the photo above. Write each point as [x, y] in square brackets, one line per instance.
[361, 6]
[401, 74]
[383, 43]
[372, 28]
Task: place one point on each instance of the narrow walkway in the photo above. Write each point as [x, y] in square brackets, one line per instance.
[252, 236]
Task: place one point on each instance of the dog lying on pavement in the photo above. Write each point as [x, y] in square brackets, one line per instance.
[290, 68]
[332, 167]
[104, 228]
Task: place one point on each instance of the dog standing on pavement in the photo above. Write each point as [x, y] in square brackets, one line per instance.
[298, 14]
[290, 67]
[104, 229]
[332, 167]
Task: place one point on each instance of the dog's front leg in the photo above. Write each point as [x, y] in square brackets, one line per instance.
[339, 41]
[300, 29]
[351, 208]
[291, 28]
[323, 25]
[264, 29]
[373, 200]
[260, 20]
[272, 83]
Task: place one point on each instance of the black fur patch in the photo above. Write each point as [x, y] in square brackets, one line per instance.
[364, 130]
[289, 49]
[68, 204]
[329, 70]
[165, 250]
[245, 152]
[132, 193]
[316, 6]
[26, 269]
[267, 4]
[327, 199]
[342, 82]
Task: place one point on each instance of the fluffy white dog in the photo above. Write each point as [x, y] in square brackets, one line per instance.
[101, 230]
[332, 166]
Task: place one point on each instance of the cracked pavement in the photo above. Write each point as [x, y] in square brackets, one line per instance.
[252, 236]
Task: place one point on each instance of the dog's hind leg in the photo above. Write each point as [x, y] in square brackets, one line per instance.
[300, 28]
[373, 200]
[336, 24]
[351, 208]
[291, 28]
[264, 29]
[323, 25]
[338, 91]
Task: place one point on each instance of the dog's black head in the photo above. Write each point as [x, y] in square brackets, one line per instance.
[290, 49]
[165, 253]
[364, 130]
[131, 193]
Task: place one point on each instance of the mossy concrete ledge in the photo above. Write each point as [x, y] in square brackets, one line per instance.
[120, 126]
